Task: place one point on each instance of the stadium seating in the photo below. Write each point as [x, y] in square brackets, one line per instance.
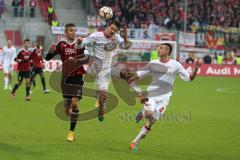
[70, 11]
[43, 5]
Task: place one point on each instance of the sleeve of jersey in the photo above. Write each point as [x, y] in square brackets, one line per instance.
[119, 39]
[49, 56]
[89, 40]
[183, 73]
[145, 71]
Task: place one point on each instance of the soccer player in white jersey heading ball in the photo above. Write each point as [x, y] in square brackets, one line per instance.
[104, 44]
[163, 72]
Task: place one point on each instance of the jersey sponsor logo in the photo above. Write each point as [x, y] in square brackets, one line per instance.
[70, 51]
[110, 46]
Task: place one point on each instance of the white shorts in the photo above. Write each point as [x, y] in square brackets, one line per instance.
[157, 105]
[7, 68]
[103, 75]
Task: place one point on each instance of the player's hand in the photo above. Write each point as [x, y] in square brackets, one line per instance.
[123, 33]
[79, 40]
[79, 43]
[71, 58]
[26, 57]
[198, 62]
[52, 48]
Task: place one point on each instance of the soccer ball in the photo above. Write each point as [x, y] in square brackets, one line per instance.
[106, 13]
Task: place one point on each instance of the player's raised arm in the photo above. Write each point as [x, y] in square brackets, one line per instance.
[185, 75]
[52, 52]
[125, 44]
[198, 64]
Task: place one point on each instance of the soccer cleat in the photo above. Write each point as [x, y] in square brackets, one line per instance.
[5, 88]
[28, 98]
[139, 116]
[13, 95]
[133, 146]
[70, 136]
[101, 115]
[10, 87]
[46, 91]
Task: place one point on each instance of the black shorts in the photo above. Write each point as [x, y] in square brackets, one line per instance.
[72, 87]
[37, 71]
[24, 74]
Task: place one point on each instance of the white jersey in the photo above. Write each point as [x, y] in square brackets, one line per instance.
[163, 76]
[8, 55]
[100, 43]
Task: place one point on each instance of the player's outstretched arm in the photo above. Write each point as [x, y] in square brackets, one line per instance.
[51, 52]
[198, 64]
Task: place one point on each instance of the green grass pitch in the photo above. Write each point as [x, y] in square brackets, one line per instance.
[201, 122]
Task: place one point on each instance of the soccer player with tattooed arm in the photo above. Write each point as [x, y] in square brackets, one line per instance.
[73, 57]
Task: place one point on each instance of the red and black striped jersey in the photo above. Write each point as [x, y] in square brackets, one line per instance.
[25, 60]
[67, 50]
[37, 59]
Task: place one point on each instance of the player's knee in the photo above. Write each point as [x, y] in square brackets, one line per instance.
[148, 113]
[74, 101]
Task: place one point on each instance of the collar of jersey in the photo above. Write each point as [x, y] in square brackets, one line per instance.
[72, 42]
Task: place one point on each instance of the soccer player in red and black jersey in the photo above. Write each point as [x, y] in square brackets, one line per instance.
[37, 62]
[72, 56]
[24, 64]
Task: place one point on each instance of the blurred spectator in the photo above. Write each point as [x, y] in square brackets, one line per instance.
[15, 5]
[50, 14]
[54, 23]
[207, 59]
[171, 14]
[21, 4]
[237, 61]
[2, 6]
[33, 5]
[220, 59]
[230, 58]
[191, 58]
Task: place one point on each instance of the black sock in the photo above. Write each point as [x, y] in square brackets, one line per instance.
[43, 83]
[27, 91]
[33, 83]
[74, 118]
[15, 88]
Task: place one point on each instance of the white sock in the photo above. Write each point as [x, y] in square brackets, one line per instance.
[6, 81]
[135, 87]
[144, 131]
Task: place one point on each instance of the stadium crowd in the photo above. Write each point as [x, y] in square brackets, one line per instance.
[170, 13]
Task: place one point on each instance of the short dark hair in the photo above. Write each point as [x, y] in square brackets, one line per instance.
[69, 25]
[169, 45]
[116, 23]
[26, 40]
